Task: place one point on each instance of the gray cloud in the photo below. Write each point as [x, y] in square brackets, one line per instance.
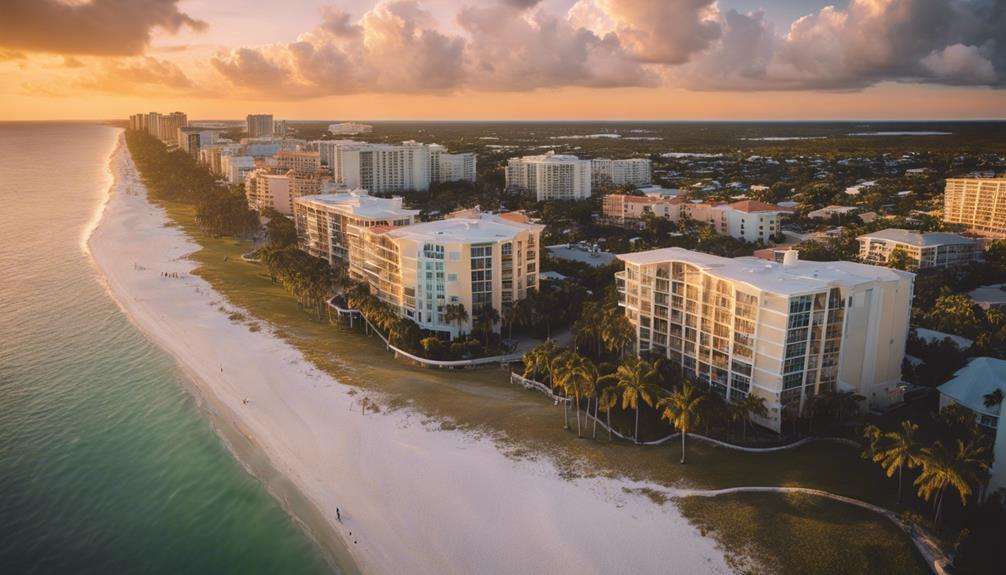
[98, 27]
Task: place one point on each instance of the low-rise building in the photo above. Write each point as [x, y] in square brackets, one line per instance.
[971, 387]
[826, 212]
[784, 331]
[550, 176]
[924, 249]
[192, 139]
[266, 190]
[747, 220]
[301, 162]
[349, 128]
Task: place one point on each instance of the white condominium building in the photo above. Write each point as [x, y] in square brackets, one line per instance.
[978, 203]
[628, 172]
[924, 250]
[383, 168]
[479, 261]
[331, 226]
[235, 168]
[258, 125]
[550, 176]
[138, 122]
[784, 331]
[748, 220]
[445, 167]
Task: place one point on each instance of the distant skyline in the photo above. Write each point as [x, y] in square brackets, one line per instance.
[506, 59]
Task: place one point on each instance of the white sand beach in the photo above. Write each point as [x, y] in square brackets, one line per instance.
[416, 500]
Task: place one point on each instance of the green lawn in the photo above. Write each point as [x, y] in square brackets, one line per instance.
[799, 534]
[525, 425]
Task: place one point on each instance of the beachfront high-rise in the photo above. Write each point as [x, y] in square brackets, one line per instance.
[784, 331]
[978, 203]
[550, 176]
[474, 259]
[259, 125]
[331, 226]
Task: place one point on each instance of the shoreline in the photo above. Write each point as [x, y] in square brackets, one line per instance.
[415, 499]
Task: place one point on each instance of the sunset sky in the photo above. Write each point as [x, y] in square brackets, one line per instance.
[504, 59]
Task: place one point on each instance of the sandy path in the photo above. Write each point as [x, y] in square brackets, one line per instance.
[415, 500]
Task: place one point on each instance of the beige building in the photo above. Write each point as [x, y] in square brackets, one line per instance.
[924, 250]
[784, 331]
[977, 203]
[331, 226]
[300, 162]
[258, 125]
[473, 259]
[265, 190]
[747, 220]
[478, 261]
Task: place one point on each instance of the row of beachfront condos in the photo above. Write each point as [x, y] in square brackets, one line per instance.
[471, 258]
[554, 176]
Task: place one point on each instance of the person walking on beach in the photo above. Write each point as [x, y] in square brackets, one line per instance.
[338, 515]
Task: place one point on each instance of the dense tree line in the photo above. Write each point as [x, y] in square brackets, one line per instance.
[173, 175]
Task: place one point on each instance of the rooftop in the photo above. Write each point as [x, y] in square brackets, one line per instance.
[756, 206]
[980, 377]
[918, 239]
[360, 203]
[476, 229]
[799, 277]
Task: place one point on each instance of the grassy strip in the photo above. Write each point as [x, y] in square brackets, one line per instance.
[525, 426]
[798, 534]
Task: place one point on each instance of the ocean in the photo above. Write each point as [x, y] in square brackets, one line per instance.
[107, 463]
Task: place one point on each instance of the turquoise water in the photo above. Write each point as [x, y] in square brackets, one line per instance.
[106, 463]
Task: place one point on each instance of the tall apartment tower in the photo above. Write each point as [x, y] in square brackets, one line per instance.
[783, 331]
[978, 203]
[259, 125]
[550, 176]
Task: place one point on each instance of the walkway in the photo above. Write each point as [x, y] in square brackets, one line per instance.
[924, 542]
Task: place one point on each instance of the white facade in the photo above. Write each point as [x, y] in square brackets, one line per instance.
[550, 176]
[235, 168]
[784, 331]
[627, 172]
[982, 376]
[445, 167]
[349, 128]
[377, 168]
[924, 250]
[978, 203]
[191, 140]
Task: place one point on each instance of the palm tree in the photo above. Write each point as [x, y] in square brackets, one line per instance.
[486, 318]
[456, 313]
[994, 398]
[942, 468]
[537, 360]
[895, 450]
[616, 331]
[558, 368]
[683, 409]
[578, 378]
[743, 410]
[636, 380]
[608, 399]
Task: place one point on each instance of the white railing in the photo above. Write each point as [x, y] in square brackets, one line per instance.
[536, 385]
